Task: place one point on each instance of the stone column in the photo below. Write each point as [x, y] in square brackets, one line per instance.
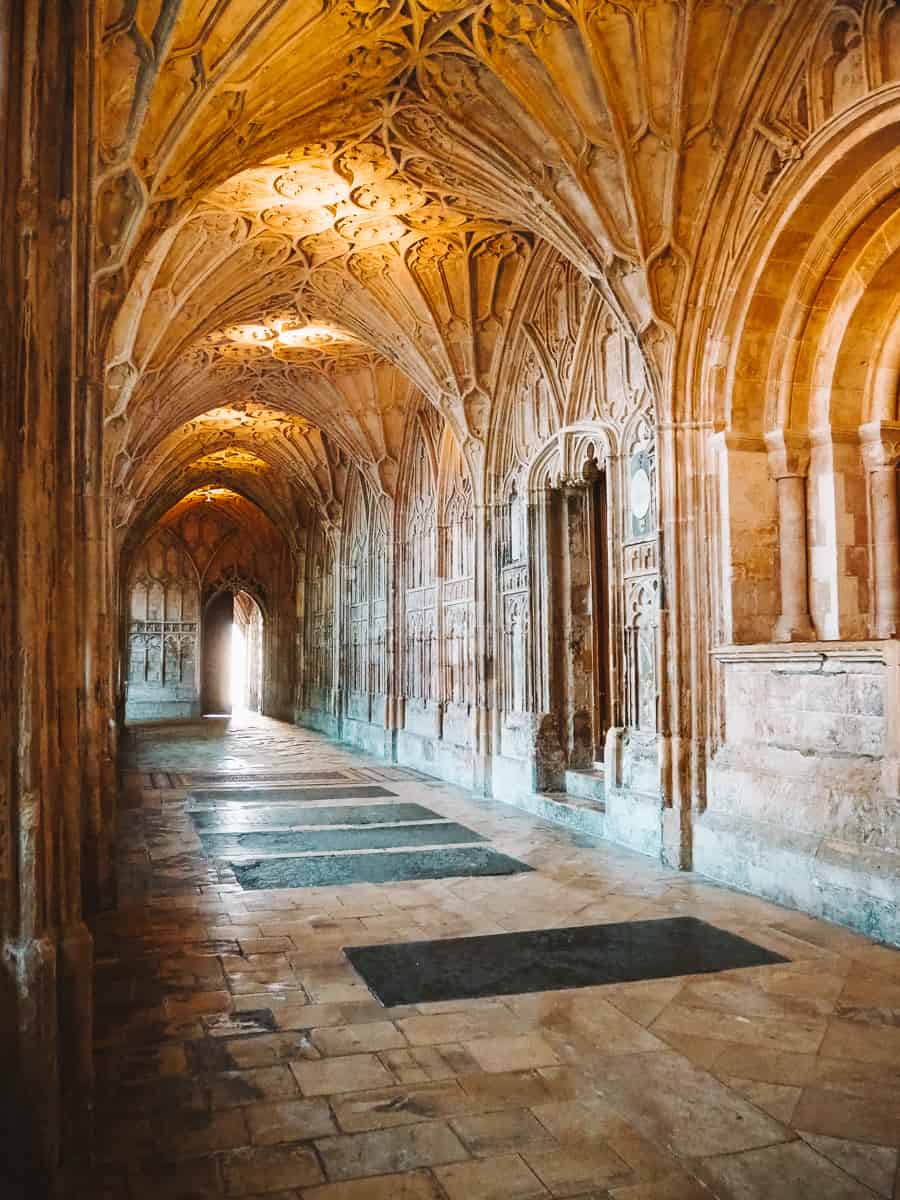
[485, 698]
[789, 467]
[45, 947]
[300, 688]
[880, 451]
[682, 681]
[98, 778]
[396, 610]
[338, 623]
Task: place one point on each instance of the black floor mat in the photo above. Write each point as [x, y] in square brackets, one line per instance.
[339, 870]
[288, 795]
[283, 816]
[549, 959]
[311, 841]
[249, 778]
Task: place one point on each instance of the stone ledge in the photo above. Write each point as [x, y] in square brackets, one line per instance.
[880, 652]
[588, 785]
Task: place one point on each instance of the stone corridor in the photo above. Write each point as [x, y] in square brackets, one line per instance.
[238, 1053]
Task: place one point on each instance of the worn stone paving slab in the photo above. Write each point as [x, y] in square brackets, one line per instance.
[340, 871]
[289, 816]
[378, 837]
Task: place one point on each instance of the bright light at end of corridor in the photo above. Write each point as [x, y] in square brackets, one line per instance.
[238, 669]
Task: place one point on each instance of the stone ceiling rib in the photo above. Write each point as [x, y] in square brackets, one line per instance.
[382, 173]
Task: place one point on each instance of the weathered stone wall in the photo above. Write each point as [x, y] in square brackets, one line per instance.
[796, 807]
[512, 633]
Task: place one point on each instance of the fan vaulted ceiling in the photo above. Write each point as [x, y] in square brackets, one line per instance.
[312, 212]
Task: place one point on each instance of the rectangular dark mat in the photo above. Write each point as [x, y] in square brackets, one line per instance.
[378, 837]
[289, 795]
[545, 960]
[281, 816]
[338, 871]
[249, 777]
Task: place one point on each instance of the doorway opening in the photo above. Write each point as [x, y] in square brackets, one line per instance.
[232, 655]
[246, 654]
[598, 519]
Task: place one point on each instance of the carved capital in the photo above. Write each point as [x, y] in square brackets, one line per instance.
[788, 454]
[880, 445]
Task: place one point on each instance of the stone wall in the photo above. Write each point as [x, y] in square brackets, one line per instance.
[797, 808]
[496, 623]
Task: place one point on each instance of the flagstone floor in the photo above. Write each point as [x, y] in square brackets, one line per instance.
[239, 1054]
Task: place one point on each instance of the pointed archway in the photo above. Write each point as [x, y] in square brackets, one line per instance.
[218, 620]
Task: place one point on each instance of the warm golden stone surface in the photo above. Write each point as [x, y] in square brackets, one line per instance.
[758, 1084]
[521, 380]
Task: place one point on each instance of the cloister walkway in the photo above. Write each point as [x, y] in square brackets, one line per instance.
[240, 1052]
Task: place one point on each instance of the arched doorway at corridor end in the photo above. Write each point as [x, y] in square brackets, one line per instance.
[232, 654]
[246, 654]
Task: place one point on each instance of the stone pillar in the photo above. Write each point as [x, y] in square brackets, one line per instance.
[338, 623]
[486, 700]
[880, 451]
[45, 948]
[98, 773]
[300, 689]
[396, 707]
[789, 467]
[683, 698]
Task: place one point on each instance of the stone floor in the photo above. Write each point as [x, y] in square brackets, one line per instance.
[239, 1054]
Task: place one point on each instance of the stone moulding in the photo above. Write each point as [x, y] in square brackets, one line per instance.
[822, 652]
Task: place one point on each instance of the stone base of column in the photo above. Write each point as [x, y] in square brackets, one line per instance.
[28, 1007]
[677, 846]
[677, 816]
[75, 969]
[46, 1007]
[481, 765]
[789, 629]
